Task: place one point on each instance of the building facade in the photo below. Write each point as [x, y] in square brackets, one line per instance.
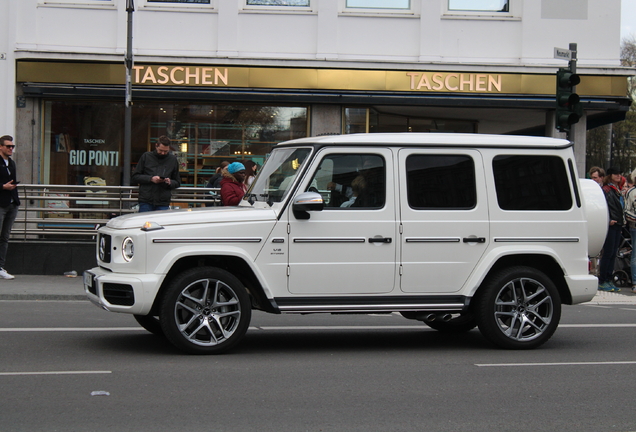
[227, 80]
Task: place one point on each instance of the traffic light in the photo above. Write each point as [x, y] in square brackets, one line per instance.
[568, 104]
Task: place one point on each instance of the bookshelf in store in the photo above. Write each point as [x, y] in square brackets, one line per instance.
[201, 147]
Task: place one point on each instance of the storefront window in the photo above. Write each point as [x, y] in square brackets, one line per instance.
[359, 120]
[83, 141]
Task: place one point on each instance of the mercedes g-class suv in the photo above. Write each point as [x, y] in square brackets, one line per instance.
[455, 230]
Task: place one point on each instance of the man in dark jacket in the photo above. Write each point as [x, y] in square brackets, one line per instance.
[157, 174]
[9, 201]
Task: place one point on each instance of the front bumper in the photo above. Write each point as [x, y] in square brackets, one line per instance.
[121, 292]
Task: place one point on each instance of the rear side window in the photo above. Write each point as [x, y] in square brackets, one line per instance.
[526, 182]
[441, 182]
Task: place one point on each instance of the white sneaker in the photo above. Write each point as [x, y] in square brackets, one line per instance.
[5, 275]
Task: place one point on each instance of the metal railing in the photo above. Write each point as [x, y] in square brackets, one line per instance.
[64, 212]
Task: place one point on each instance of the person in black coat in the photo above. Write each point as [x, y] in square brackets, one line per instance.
[9, 200]
[157, 174]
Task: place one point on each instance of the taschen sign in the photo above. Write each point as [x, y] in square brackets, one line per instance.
[308, 78]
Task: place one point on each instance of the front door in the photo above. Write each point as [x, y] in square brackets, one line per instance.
[350, 246]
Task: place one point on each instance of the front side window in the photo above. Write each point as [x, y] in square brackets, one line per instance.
[441, 182]
[525, 182]
[351, 181]
[278, 175]
[479, 5]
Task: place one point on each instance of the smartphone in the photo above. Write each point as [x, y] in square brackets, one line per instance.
[16, 182]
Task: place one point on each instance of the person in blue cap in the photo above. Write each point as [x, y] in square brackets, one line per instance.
[232, 186]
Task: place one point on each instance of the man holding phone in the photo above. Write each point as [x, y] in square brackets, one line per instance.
[9, 200]
[156, 173]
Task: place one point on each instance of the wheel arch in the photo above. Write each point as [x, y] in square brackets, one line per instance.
[233, 264]
[543, 263]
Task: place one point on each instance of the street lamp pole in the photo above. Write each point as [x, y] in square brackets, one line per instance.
[130, 8]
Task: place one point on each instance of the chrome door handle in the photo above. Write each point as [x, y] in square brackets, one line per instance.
[474, 240]
[380, 240]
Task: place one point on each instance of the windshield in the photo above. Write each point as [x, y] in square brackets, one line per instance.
[278, 174]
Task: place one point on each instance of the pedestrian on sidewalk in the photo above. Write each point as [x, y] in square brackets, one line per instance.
[612, 191]
[9, 200]
[630, 217]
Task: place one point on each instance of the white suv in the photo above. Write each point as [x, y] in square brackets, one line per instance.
[454, 230]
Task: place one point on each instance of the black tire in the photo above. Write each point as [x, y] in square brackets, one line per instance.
[459, 324]
[518, 308]
[150, 323]
[205, 310]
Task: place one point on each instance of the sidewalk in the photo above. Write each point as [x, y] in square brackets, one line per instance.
[36, 287]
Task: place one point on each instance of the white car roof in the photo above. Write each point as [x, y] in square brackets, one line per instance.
[433, 140]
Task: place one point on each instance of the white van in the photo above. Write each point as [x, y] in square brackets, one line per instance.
[456, 230]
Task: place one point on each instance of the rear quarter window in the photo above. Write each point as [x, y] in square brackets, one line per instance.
[527, 182]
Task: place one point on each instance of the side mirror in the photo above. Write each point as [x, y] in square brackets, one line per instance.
[306, 202]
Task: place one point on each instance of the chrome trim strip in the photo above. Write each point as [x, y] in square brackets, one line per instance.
[330, 240]
[372, 308]
[433, 240]
[209, 240]
[537, 239]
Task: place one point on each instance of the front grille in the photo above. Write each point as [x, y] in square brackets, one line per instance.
[119, 294]
[104, 247]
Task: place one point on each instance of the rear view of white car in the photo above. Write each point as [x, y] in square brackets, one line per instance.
[455, 230]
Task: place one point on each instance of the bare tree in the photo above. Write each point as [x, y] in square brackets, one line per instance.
[615, 144]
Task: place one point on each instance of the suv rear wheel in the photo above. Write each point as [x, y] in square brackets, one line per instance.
[205, 310]
[518, 308]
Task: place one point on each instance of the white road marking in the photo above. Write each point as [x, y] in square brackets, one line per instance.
[54, 373]
[556, 364]
[70, 329]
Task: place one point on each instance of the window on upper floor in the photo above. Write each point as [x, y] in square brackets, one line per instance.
[304, 3]
[479, 5]
[179, 1]
[380, 7]
[79, 3]
[181, 5]
[379, 4]
[482, 9]
[278, 6]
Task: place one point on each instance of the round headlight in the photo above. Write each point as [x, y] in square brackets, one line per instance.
[128, 249]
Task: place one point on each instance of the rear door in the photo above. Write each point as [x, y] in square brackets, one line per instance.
[444, 218]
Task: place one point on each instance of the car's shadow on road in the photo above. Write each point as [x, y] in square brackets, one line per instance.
[299, 341]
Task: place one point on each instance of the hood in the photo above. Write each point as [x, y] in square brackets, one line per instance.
[193, 216]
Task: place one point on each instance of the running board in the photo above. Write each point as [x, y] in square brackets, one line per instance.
[371, 304]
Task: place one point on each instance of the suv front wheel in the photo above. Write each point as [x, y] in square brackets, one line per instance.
[518, 308]
[205, 310]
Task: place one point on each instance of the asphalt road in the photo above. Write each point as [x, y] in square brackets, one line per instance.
[312, 373]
